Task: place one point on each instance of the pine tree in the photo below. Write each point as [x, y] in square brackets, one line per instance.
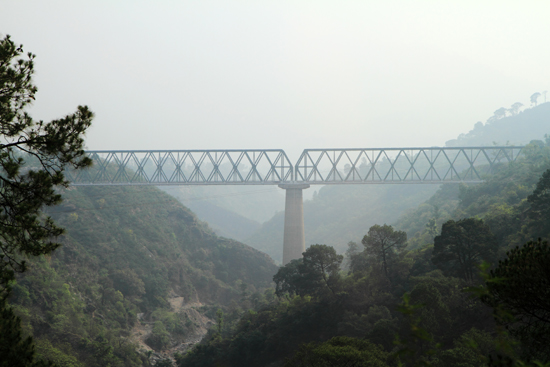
[33, 157]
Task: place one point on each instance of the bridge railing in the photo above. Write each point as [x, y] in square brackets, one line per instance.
[185, 167]
[401, 165]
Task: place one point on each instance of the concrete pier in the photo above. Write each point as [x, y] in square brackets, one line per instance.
[294, 243]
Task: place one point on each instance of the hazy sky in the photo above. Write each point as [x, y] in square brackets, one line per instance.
[281, 74]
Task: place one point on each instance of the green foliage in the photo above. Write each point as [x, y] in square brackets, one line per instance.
[177, 324]
[33, 157]
[540, 205]
[270, 334]
[339, 352]
[320, 262]
[219, 321]
[463, 245]
[431, 228]
[316, 271]
[16, 350]
[471, 349]
[521, 285]
[165, 362]
[159, 338]
[128, 282]
[383, 244]
[289, 279]
[123, 256]
[434, 315]
[418, 345]
[440, 207]
[62, 356]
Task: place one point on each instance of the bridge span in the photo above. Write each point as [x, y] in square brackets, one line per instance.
[432, 165]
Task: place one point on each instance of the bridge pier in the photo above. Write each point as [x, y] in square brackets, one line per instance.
[294, 243]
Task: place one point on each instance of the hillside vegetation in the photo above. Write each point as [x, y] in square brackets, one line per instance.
[133, 261]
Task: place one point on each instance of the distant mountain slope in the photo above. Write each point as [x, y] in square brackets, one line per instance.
[224, 223]
[520, 129]
[256, 203]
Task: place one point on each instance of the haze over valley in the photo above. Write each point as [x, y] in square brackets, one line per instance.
[151, 182]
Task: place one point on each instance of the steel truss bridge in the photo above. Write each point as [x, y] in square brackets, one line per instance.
[273, 167]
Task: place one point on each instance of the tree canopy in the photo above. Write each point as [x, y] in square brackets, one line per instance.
[463, 245]
[318, 269]
[33, 157]
[339, 351]
[382, 243]
[540, 205]
[521, 285]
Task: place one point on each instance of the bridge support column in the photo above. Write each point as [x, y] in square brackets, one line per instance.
[294, 239]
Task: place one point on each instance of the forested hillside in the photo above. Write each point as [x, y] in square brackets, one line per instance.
[501, 200]
[414, 304]
[133, 261]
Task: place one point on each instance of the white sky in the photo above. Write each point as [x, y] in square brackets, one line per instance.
[281, 74]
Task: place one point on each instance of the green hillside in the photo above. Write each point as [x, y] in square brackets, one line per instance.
[501, 199]
[133, 261]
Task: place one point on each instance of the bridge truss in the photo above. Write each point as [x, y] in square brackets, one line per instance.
[401, 165]
[314, 167]
[185, 167]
